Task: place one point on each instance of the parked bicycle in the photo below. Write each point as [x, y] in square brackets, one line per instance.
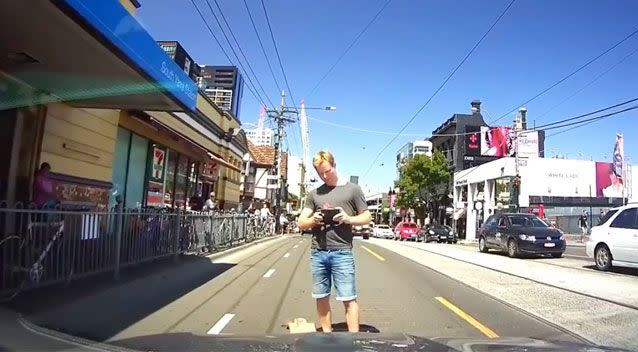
[24, 257]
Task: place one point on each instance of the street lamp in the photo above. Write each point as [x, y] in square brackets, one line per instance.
[327, 108]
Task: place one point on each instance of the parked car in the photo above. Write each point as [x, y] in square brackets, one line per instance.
[382, 231]
[438, 233]
[361, 230]
[520, 234]
[406, 230]
[614, 241]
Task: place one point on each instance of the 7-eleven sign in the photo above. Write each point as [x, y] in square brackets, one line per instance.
[157, 166]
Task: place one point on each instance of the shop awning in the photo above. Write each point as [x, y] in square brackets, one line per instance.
[171, 123]
[88, 53]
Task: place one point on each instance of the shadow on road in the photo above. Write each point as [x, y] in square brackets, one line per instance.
[99, 307]
[343, 327]
[616, 269]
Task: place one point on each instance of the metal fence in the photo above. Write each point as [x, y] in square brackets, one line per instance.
[42, 247]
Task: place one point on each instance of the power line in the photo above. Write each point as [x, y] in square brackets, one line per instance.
[577, 123]
[274, 43]
[261, 44]
[569, 75]
[354, 41]
[210, 30]
[440, 87]
[589, 83]
[237, 56]
[295, 140]
[587, 114]
[569, 129]
[357, 128]
[241, 51]
[590, 119]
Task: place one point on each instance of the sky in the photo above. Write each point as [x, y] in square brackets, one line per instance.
[408, 52]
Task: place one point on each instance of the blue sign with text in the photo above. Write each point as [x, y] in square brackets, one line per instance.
[115, 23]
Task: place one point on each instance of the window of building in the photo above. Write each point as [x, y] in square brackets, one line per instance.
[182, 180]
[129, 168]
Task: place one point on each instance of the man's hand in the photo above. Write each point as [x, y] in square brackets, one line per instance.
[342, 217]
[317, 219]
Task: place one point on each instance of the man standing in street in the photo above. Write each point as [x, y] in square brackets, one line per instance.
[331, 257]
[582, 222]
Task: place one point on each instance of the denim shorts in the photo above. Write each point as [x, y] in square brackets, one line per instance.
[328, 266]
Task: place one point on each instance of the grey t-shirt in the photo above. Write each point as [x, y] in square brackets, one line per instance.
[350, 198]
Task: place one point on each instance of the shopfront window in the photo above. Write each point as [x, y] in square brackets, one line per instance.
[129, 168]
[171, 165]
[503, 190]
[181, 181]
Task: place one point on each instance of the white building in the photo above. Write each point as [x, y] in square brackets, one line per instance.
[258, 183]
[260, 136]
[563, 188]
[294, 175]
[422, 148]
[410, 149]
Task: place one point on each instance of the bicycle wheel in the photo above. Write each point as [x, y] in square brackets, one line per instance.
[13, 275]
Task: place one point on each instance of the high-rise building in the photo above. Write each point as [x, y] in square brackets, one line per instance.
[410, 149]
[178, 54]
[260, 136]
[224, 85]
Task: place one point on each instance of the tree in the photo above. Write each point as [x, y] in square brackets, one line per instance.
[423, 184]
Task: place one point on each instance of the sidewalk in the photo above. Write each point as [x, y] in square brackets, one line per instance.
[574, 299]
[574, 240]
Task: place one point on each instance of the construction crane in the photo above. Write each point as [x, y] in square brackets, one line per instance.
[305, 158]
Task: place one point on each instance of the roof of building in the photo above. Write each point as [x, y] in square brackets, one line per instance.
[264, 155]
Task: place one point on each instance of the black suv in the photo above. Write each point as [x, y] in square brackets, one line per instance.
[520, 233]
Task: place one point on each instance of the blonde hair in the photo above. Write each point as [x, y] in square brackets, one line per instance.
[321, 156]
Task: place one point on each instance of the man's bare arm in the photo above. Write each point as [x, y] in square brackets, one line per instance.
[363, 218]
[308, 219]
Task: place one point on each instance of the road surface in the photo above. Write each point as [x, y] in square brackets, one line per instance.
[577, 252]
[258, 290]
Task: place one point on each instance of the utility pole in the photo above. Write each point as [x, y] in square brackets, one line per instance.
[519, 124]
[281, 119]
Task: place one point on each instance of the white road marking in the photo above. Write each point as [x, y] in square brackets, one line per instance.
[295, 246]
[220, 324]
[269, 273]
[286, 255]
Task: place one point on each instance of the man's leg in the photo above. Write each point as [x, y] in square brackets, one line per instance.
[325, 317]
[342, 263]
[352, 315]
[321, 286]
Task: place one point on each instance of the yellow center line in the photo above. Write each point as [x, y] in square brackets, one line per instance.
[373, 253]
[468, 318]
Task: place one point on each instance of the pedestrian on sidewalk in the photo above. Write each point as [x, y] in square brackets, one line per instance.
[331, 258]
[582, 222]
[44, 188]
[211, 204]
